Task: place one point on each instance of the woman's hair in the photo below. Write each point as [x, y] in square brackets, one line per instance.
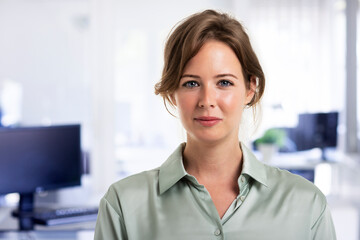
[186, 40]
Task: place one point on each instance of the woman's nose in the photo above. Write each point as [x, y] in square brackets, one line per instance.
[207, 98]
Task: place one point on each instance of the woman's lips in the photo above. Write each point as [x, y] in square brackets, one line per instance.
[207, 121]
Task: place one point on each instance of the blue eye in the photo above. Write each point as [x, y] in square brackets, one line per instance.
[225, 83]
[190, 84]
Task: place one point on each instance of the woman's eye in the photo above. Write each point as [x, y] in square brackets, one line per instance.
[225, 83]
[191, 84]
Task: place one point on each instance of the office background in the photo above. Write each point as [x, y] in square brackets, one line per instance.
[95, 62]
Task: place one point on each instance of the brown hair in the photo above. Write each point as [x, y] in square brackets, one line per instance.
[186, 40]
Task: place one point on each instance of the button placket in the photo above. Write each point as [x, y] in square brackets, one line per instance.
[243, 190]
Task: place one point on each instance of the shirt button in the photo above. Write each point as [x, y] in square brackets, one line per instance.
[242, 179]
[217, 232]
[242, 198]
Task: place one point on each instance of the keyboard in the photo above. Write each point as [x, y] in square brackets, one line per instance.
[65, 216]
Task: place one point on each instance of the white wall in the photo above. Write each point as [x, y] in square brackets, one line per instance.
[44, 47]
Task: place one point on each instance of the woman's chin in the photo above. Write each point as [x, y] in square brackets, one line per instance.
[206, 138]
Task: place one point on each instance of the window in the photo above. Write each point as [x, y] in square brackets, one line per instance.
[301, 47]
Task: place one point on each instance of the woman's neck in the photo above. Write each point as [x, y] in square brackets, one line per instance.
[208, 161]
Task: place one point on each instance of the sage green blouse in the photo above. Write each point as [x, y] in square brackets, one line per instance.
[168, 203]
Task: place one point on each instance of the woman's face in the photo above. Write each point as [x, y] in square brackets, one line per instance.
[212, 94]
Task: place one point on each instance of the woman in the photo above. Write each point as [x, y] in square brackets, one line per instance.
[212, 186]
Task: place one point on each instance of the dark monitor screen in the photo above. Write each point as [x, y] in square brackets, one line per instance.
[317, 130]
[33, 159]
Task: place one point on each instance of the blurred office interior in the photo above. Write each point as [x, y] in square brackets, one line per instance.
[95, 63]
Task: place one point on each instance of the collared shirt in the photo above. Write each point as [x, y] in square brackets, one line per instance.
[168, 203]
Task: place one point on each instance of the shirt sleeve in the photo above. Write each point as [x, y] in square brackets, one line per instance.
[109, 223]
[324, 227]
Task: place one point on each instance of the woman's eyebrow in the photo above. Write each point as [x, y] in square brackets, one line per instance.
[190, 76]
[217, 76]
[226, 75]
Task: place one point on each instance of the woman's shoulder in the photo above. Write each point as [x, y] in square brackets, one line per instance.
[136, 182]
[137, 186]
[296, 192]
[283, 181]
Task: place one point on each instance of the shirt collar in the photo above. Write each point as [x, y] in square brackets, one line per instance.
[252, 166]
[172, 170]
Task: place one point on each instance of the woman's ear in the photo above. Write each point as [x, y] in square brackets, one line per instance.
[250, 92]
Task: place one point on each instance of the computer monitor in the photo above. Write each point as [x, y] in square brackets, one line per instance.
[34, 159]
[317, 130]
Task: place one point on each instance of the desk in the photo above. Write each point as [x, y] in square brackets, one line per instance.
[76, 231]
[52, 235]
[9, 223]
